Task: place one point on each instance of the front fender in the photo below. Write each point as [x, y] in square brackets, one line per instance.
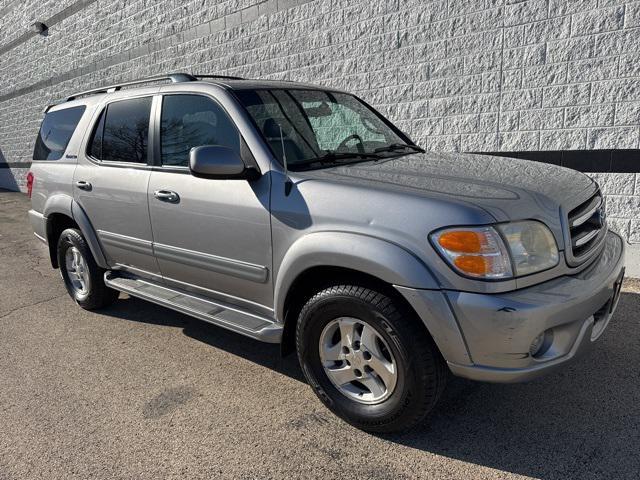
[389, 262]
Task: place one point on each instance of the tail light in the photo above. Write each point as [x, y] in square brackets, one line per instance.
[30, 179]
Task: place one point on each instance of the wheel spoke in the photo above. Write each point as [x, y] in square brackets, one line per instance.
[383, 369]
[368, 340]
[347, 331]
[331, 353]
[342, 375]
[374, 385]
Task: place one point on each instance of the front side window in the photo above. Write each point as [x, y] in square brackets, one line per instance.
[121, 134]
[55, 132]
[315, 126]
[191, 121]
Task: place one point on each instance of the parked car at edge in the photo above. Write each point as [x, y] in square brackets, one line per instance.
[299, 215]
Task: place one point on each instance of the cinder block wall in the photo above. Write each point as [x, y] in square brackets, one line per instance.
[457, 75]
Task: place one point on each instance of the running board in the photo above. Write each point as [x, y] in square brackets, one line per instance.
[224, 315]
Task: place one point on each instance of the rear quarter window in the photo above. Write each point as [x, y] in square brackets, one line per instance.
[55, 132]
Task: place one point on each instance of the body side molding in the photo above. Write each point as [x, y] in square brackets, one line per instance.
[227, 266]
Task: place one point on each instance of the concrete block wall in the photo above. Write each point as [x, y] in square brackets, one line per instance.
[456, 75]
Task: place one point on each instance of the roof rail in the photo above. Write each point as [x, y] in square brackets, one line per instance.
[174, 77]
[224, 77]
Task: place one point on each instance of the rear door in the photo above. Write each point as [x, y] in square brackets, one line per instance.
[210, 236]
[110, 183]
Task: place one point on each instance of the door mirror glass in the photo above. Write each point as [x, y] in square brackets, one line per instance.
[216, 161]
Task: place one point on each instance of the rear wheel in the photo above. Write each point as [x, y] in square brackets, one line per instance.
[83, 278]
[369, 359]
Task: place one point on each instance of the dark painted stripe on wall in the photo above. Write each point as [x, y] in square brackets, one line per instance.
[49, 22]
[589, 161]
[15, 165]
[218, 25]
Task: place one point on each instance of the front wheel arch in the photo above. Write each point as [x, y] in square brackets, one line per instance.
[314, 279]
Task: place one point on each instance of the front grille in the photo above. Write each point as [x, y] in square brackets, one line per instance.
[587, 225]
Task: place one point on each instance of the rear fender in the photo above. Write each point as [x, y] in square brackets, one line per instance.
[65, 205]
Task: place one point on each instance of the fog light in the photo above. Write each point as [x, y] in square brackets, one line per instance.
[536, 345]
[540, 344]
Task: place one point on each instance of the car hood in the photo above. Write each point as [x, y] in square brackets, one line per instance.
[506, 188]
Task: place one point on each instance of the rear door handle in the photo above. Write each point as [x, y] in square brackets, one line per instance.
[82, 185]
[167, 196]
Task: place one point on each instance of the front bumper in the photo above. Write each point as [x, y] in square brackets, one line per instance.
[497, 329]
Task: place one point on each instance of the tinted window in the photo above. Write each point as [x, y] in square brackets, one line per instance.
[190, 121]
[55, 133]
[124, 135]
[95, 147]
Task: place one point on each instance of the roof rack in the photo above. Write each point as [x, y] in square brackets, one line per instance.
[224, 77]
[174, 77]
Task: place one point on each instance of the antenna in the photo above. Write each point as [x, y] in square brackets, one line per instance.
[287, 182]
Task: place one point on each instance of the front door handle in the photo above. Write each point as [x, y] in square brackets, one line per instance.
[167, 196]
[82, 185]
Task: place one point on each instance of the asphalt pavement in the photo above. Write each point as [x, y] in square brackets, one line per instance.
[139, 391]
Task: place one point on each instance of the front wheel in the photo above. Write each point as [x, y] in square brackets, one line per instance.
[369, 359]
[83, 278]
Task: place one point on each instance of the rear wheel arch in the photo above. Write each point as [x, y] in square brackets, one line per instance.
[56, 224]
[71, 216]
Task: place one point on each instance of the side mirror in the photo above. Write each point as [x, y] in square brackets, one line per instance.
[216, 161]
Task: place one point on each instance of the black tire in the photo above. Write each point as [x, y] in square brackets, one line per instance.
[422, 372]
[97, 294]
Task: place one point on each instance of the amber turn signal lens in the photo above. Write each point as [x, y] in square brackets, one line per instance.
[472, 264]
[477, 252]
[462, 241]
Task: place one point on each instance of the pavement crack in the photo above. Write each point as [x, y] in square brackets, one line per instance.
[13, 310]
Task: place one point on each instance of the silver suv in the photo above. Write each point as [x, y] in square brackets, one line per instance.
[299, 215]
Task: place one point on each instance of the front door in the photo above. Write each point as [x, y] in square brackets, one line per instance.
[210, 236]
[110, 184]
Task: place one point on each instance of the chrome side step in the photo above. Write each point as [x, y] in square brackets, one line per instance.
[218, 313]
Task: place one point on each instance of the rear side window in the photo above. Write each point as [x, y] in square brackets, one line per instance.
[122, 132]
[55, 132]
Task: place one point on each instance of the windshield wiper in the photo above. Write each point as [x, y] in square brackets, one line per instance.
[335, 157]
[399, 146]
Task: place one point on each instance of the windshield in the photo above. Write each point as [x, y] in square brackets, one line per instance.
[310, 127]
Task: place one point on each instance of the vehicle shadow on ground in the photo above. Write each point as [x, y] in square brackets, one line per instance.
[265, 354]
[7, 180]
[586, 418]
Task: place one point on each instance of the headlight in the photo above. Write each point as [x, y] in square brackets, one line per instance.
[499, 252]
[532, 246]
